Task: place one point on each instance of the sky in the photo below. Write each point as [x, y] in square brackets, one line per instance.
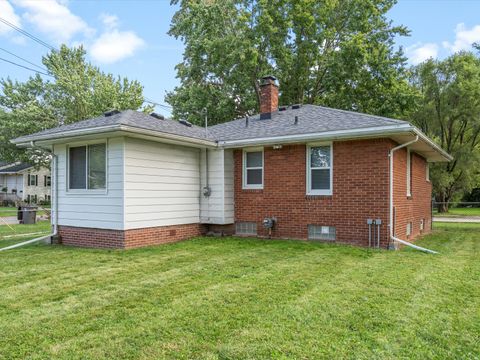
[129, 38]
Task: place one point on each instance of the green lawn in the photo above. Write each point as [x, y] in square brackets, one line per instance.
[9, 237]
[460, 212]
[230, 298]
[12, 211]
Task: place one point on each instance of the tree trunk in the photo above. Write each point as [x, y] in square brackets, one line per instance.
[442, 205]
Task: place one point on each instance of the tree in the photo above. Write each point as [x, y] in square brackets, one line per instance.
[449, 112]
[77, 91]
[328, 52]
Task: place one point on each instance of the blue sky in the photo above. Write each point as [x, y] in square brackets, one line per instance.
[129, 38]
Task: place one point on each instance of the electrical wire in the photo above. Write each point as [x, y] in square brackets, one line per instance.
[27, 34]
[21, 58]
[25, 67]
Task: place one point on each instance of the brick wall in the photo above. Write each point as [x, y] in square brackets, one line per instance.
[411, 208]
[360, 191]
[118, 239]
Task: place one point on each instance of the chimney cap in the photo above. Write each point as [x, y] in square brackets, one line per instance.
[269, 79]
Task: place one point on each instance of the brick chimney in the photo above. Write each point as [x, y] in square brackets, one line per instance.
[268, 96]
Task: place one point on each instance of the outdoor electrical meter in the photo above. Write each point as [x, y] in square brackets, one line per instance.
[269, 223]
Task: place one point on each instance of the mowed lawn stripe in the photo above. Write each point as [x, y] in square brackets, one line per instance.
[240, 298]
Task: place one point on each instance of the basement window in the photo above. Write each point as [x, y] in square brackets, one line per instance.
[320, 232]
[246, 228]
[87, 167]
[422, 224]
[253, 169]
[409, 229]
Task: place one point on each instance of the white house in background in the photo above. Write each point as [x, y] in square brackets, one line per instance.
[22, 182]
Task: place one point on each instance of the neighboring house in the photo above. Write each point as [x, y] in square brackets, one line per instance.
[23, 182]
[128, 179]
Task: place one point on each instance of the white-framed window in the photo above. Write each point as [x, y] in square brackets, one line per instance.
[87, 167]
[409, 229]
[253, 168]
[427, 171]
[320, 169]
[422, 224]
[409, 173]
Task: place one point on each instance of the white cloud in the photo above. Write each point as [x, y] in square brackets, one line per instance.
[110, 21]
[115, 45]
[420, 52]
[8, 13]
[54, 18]
[464, 38]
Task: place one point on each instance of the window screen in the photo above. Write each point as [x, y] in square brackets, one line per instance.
[87, 167]
[246, 228]
[320, 169]
[320, 232]
[253, 169]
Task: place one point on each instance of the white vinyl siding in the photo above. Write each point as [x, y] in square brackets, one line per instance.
[217, 208]
[162, 184]
[253, 164]
[320, 169]
[96, 209]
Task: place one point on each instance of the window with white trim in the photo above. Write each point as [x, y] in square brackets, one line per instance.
[87, 167]
[253, 169]
[427, 171]
[409, 229]
[409, 173]
[319, 169]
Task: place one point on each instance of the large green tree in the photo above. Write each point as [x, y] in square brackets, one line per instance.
[74, 91]
[338, 53]
[449, 112]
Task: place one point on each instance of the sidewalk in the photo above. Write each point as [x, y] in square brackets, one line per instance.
[457, 219]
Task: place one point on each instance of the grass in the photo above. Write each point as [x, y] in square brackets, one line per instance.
[460, 212]
[12, 211]
[212, 298]
[6, 238]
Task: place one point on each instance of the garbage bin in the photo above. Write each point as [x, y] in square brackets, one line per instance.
[29, 215]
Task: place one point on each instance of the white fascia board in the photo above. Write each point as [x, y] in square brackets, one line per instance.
[326, 135]
[154, 135]
[434, 146]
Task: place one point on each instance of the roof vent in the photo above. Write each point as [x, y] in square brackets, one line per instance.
[296, 106]
[111, 112]
[282, 108]
[185, 122]
[157, 116]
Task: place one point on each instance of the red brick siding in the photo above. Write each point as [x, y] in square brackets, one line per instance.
[118, 239]
[268, 97]
[360, 191]
[418, 206]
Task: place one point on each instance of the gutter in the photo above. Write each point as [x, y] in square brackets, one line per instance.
[390, 225]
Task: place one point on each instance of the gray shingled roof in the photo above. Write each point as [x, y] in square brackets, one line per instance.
[128, 118]
[14, 168]
[311, 119]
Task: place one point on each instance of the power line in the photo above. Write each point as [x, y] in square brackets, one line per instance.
[148, 100]
[21, 58]
[27, 34]
[25, 67]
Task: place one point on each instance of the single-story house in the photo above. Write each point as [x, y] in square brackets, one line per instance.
[23, 182]
[129, 179]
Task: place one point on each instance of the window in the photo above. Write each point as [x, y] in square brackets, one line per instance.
[31, 199]
[317, 232]
[427, 171]
[319, 170]
[87, 167]
[422, 224]
[409, 173]
[47, 181]
[409, 229]
[32, 180]
[246, 228]
[48, 198]
[253, 169]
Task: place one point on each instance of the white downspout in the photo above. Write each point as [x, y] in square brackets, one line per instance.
[55, 210]
[392, 237]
